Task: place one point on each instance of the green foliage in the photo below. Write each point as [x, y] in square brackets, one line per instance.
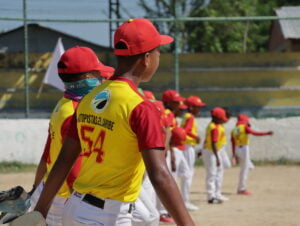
[16, 167]
[227, 36]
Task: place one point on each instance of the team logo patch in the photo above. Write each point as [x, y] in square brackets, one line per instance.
[100, 101]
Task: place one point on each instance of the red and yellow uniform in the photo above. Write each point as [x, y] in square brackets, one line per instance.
[240, 134]
[214, 133]
[170, 118]
[189, 124]
[114, 124]
[58, 127]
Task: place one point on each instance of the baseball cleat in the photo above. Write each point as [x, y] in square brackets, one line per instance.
[215, 201]
[223, 198]
[244, 192]
[191, 206]
[166, 219]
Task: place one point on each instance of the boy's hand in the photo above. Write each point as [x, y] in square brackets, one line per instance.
[198, 140]
[235, 160]
[218, 162]
[199, 154]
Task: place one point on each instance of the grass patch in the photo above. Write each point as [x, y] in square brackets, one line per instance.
[16, 167]
[278, 162]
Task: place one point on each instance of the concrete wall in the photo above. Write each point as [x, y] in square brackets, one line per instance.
[284, 143]
[23, 140]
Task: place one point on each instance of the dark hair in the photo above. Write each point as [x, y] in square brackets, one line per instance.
[129, 59]
[71, 77]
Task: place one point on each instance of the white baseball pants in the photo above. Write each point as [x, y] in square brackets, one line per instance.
[183, 172]
[245, 163]
[186, 182]
[214, 174]
[114, 213]
[145, 212]
[54, 217]
[225, 159]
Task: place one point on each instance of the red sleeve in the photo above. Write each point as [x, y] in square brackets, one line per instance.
[170, 120]
[214, 135]
[188, 127]
[46, 156]
[72, 131]
[145, 122]
[74, 172]
[65, 127]
[250, 131]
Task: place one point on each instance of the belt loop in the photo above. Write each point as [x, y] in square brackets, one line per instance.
[131, 207]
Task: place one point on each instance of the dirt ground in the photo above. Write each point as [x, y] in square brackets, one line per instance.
[275, 200]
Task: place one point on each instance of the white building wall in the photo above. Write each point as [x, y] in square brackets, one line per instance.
[24, 139]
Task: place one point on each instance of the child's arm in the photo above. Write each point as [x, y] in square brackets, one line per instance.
[214, 139]
[234, 156]
[250, 131]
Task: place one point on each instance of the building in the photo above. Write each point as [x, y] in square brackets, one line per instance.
[285, 34]
[41, 40]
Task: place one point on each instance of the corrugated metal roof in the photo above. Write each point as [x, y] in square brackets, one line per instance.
[290, 28]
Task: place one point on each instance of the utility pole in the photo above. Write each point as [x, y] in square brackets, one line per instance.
[114, 13]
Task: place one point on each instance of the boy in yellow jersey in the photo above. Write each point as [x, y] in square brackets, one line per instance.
[81, 71]
[240, 150]
[118, 133]
[215, 140]
[189, 124]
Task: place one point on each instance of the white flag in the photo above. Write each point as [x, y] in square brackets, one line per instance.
[51, 76]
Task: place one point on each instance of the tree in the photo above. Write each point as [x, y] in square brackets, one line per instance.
[223, 36]
[166, 9]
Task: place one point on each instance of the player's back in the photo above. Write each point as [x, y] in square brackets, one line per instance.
[111, 154]
[63, 110]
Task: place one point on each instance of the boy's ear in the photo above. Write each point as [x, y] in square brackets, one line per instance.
[146, 59]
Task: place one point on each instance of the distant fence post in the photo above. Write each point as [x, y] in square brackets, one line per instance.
[26, 72]
[176, 49]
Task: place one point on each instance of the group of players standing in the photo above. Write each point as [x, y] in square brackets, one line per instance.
[103, 136]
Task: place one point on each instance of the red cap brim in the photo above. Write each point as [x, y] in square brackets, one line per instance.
[106, 71]
[166, 39]
[183, 106]
[200, 104]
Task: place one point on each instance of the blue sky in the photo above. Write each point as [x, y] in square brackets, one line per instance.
[69, 9]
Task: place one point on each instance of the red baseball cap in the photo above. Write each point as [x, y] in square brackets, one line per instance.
[139, 36]
[82, 59]
[149, 95]
[172, 95]
[243, 119]
[219, 113]
[178, 137]
[194, 101]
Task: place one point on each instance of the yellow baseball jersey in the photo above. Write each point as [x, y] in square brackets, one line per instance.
[114, 124]
[189, 124]
[214, 133]
[240, 135]
[63, 110]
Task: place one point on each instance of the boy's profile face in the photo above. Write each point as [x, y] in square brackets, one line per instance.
[195, 110]
[151, 63]
[174, 105]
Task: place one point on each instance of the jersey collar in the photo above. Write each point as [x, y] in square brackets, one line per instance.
[130, 83]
